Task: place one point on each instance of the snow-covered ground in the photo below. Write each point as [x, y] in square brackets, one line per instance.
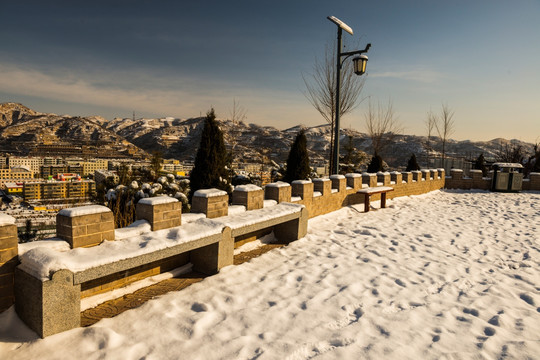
[449, 274]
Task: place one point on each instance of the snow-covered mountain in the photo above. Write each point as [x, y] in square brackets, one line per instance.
[179, 138]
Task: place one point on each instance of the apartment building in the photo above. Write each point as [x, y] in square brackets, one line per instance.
[49, 190]
[15, 174]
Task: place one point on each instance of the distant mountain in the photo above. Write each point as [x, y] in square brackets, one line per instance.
[179, 138]
[24, 131]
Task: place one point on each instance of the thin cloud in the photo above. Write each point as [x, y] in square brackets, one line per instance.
[424, 76]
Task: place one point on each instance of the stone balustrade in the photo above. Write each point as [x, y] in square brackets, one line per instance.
[279, 191]
[85, 226]
[212, 202]
[354, 181]
[162, 212]
[8, 260]
[251, 196]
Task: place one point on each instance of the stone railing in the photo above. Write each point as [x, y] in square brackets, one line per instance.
[90, 226]
[476, 180]
[8, 260]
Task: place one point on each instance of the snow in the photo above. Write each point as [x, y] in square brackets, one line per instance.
[353, 175]
[278, 184]
[158, 200]
[56, 244]
[137, 228]
[260, 215]
[191, 217]
[84, 210]
[267, 203]
[317, 194]
[247, 188]
[236, 209]
[206, 193]
[301, 182]
[296, 198]
[337, 177]
[43, 261]
[6, 220]
[449, 274]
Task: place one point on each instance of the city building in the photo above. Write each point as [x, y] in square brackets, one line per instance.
[15, 174]
[52, 190]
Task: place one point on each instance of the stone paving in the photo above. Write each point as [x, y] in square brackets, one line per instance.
[130, 301]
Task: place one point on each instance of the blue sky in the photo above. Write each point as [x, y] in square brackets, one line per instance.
[179, 58]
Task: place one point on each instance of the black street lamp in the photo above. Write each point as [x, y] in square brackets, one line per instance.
[359, 66]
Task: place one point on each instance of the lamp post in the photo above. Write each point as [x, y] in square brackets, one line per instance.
[359, 67]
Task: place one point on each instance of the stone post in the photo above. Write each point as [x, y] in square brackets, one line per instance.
[396, 177]
[534, 181]
[338, 182]
[354, 180]
[162, 212]
[416, 175]
[279, 191]
[302, 188]
[85, 226]
[441, 173]
[407, 177]
[369, 179]
[8, 260]
[425, 174]
[384, 178]
[212, 202]
[324, 186]
[433, 174]
[457, 174]
[251, 196]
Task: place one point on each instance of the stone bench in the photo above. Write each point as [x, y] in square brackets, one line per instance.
[287, 220]
[372, 191]
[50, 284]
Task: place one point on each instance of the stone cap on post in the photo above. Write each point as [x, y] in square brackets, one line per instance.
[396, 177]
[369, 179]
[338, 182]
[425, 174]
[433, 174]
[441, 172]
[324, 186]
[212, 202]
[407, 176]
[162, 212]
[85, 226]
[354, 180]
[476, 174]
[9, 251]
[383, 177]
[279, 191]
[302, 188]
[416, 175]
[457, 174]
[250, 195]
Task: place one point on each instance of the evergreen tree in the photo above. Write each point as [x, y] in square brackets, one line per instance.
[479, 164]
[412, 164]
[298, 160]
[210, 169]
[375, 165]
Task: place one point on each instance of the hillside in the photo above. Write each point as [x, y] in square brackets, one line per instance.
[23, 131]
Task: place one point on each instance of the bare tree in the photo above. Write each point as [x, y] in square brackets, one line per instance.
[321, 90]
[382, 125]
[238, 114]
[430, 127]
[445, 127]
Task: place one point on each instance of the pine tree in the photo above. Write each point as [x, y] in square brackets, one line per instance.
[412, 164]
[298, 160]
[375, 165]
[479, 164]
[210, 169]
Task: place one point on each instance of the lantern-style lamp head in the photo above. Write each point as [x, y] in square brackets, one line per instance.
[359, 64]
